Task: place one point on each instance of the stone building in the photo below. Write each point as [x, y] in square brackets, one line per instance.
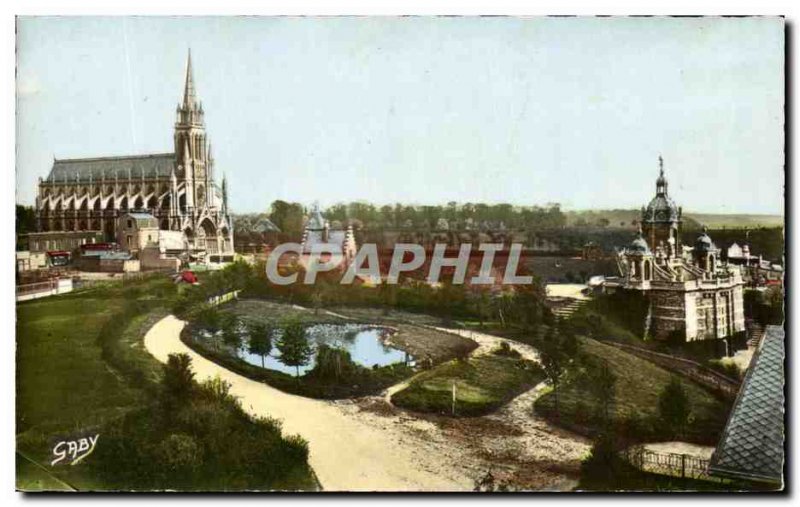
[691, 294]
[340, 242]
[178, 188]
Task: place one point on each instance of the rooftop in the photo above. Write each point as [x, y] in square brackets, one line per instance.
[158, 165]
[752, 444]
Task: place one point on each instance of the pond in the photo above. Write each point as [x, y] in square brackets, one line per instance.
[364, 343]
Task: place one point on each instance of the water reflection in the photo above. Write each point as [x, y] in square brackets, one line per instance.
[364, 343]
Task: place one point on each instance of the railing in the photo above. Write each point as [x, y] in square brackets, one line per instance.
[223, 298]
[703, 375]
[33, 288]
[684, 466]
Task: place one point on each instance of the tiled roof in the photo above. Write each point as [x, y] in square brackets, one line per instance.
[81, 169]
[143, 219]
[265, 225]
[752, 445]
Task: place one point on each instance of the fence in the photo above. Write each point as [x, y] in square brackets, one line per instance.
[44, 288]
[223, 298]
[717, 382]
[684, 466]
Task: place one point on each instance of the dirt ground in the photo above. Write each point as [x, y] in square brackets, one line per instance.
[516, 446]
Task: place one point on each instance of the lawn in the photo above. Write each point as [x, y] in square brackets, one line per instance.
[482, 383]
[639, 383]
[81, 369]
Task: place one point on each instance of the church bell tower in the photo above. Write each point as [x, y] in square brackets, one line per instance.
[194, 164]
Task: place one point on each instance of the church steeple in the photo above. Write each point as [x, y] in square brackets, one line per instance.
[190, 110]
[189, 98]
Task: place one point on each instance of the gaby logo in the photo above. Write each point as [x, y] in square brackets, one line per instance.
[73, 451]
[406, 257]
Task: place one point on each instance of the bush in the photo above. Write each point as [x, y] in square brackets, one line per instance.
[505, 350]
[674, 408]
[179, 452]
[333, 364]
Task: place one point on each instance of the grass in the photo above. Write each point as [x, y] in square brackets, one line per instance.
[638, 386]
[82, 369]
[483, 384]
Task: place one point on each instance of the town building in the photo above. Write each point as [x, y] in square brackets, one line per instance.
[339, 243]
[691, 294]
[178, 188]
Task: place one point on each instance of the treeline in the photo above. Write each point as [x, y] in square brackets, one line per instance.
[289, 216]
[522, 309]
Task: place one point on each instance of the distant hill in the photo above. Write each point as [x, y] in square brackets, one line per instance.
[714, 221]
[628, 219]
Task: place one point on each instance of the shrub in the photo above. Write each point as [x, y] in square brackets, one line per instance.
[179, 452]
[505, 350]
[333, 363]
[673, 407]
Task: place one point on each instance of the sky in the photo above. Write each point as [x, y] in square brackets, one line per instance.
[422, 110]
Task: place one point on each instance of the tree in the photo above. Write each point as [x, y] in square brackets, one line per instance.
[210, 320]
[333, 363]
[674, 406]
[293, 345]
[26, 223]
[260, 339]
[178, 381]
[288, 217]
[557, 351]
[602, 384]
[230, 332]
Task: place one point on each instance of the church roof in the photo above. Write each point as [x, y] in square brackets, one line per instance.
[704, 243]
[157, 165]
[638, 245]
[661, 209]
[752, 444]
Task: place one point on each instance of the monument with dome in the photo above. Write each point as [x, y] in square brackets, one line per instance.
[691, 295]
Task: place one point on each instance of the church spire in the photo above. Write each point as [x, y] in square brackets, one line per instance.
[661, 182]
[189, 98]
[224, 194]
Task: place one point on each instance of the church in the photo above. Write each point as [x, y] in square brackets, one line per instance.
[178, 189]
[691, 294]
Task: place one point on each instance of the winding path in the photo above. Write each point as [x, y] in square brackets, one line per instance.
[346, 455]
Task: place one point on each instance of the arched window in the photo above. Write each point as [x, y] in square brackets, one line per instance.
[648, 275]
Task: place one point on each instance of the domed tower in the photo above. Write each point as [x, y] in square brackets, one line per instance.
[706, 253]
[639, 260]
[661, 220]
